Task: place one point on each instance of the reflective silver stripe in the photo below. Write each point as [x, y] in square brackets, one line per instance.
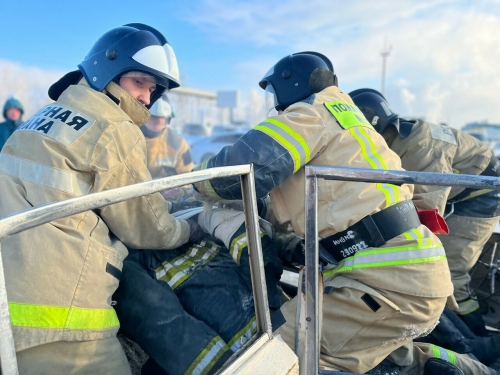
[187, 263]
[466, 307]
[243, 339]
[286, 135]
[237, 245]
[177, 233]
[367, 148]
[444, 354]
[190, 270]
[384, 257]
[412, 235]
[399, 255]
[41, 174]
[205, 361]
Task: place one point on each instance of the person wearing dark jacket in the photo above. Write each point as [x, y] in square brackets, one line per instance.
[12, 112]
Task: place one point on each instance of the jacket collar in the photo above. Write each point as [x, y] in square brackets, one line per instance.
[138, 113]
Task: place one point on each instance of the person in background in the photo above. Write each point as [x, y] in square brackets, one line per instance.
[12, 112]
[168, 151]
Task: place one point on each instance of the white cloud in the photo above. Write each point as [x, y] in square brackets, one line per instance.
[446, 52]
[408, 98]
[29, 84]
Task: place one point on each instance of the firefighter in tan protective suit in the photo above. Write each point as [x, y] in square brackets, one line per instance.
[471, 214]
[392, 281]
[60, 276]
[168, 151]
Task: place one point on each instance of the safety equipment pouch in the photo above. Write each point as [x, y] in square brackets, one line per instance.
[434, 221]
[373, 230]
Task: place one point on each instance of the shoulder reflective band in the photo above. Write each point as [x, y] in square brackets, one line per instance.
[444, 354]
[178, 270]
[208, 357]
[390, 256]
[289, 139]
[347, 115]
[40, 316]
[468, 306]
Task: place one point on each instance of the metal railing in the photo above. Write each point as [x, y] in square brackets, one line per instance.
[37, 216]
[309, 358]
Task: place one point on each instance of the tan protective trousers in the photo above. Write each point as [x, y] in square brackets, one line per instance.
[98, 357]
[463, 246]
[356, 339]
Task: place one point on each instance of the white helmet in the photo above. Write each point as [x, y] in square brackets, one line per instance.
[162, 108]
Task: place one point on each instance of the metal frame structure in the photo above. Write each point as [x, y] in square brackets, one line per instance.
[37, 216]
[309, 359]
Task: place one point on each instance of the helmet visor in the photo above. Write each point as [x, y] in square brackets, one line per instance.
[271, 99]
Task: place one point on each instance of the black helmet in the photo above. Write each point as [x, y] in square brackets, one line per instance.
[377, 111]
[297, 77]
[133, 47]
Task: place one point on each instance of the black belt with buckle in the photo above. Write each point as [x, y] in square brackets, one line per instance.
[373, 230]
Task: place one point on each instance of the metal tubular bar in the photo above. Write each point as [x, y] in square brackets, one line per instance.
[44, 214]
[309, 363]
[8, 362]
[262, 316]
[36, 216]
[405, 177]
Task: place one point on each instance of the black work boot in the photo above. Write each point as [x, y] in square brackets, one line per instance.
[438, 366]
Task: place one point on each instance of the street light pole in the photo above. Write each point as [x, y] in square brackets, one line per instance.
[385, 53]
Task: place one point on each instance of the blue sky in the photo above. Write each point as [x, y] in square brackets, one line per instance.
[56, 35]
[443, 63]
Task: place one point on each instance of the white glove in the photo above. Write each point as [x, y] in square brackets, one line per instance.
[220, 222]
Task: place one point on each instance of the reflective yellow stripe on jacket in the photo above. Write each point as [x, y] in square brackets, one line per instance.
[208, 357]
[370, 154]
[292, 141]
[239, 243]
[207, 186]
[242, 337]
[466, 307]
[444, 354]
[40, 316]
[390, 256]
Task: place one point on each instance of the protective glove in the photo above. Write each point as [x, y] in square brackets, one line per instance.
[196, 233]
[290, 247]
[220, 222]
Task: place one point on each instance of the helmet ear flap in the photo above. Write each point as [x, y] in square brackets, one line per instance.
[321, 79]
